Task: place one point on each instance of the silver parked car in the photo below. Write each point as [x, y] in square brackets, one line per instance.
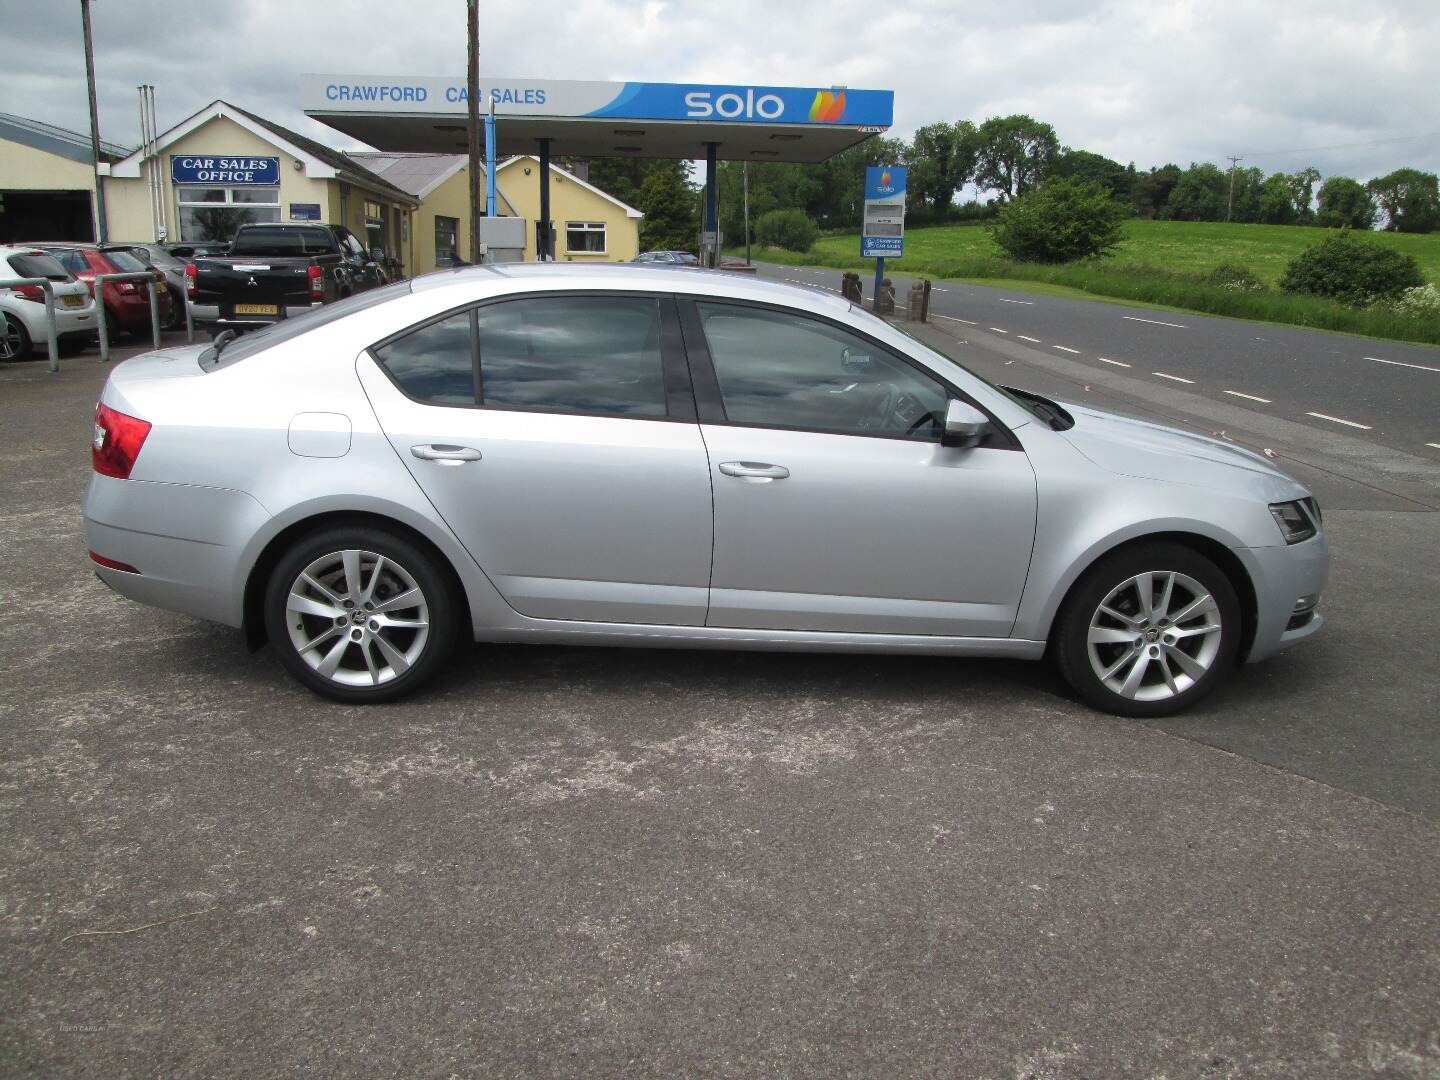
[623, 456]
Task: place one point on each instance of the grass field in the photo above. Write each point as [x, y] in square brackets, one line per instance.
[1160, 263]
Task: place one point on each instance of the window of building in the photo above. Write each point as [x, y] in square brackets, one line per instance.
[585, 236]
[214, 213]
[447, 232]
[374, 225]
[788, 371]
[598, 355]
[435, 363]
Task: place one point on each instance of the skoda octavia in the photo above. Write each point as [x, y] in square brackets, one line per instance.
[628, 456]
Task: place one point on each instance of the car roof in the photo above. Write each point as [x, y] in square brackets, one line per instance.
[503, 277]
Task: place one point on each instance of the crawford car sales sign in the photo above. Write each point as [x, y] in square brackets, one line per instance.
[231, 171]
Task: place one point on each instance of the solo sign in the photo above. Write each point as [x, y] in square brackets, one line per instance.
[882, 232]
[230, 171]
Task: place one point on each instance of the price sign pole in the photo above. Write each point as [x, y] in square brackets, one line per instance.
[882, 232]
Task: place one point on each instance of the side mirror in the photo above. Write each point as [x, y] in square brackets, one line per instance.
[377, 254]
[965, 425]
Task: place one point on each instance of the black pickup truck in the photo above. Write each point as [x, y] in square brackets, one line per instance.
[272, 272]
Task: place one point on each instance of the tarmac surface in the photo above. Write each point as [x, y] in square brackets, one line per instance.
[572, 862]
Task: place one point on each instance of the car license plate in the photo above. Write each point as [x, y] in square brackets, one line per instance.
[72, 301]
[257, 309]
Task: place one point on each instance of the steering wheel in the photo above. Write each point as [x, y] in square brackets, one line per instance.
[879, 415]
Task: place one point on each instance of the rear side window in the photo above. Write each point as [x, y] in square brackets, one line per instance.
[598, 355]
[435, 363]
[282, 241]
[46, 266]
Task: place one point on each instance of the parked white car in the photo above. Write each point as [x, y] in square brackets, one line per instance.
[23, 306]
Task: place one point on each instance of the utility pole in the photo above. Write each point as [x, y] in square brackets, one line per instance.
[745, 187]
[101, 232]
[472, 93]
[1230, 204]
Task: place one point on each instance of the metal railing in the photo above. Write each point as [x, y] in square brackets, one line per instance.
[152, 285]
[49, 287]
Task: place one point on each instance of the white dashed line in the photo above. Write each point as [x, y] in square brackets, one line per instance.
[1398, 363]
[1153, 322]
[1066, 348]
[1005, 301]
[1022, 337]
[952, 318]
[1248, 397]
[1337, 420]
[1436, 445]
[939, 290]
[1172, 378]
[1117, 363]
[998, 330]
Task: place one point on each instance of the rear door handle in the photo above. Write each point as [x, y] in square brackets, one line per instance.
[754, 470]
[444, 454]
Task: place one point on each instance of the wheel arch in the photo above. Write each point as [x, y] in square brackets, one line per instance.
[253, 610]
[1218, 553]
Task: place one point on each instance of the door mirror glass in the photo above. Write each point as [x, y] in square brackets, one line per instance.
[854, 361]
[965, 425]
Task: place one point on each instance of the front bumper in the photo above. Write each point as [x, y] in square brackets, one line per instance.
[1281, 576]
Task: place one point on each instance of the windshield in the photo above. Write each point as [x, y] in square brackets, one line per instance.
[267, 337]
[46, 266]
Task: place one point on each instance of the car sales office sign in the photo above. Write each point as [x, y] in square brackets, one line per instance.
[882, 233]
[230, 171]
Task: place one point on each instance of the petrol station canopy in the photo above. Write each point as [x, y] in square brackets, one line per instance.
[602, 119]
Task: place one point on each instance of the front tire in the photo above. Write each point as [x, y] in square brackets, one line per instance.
[1148, 631]
[360, 614]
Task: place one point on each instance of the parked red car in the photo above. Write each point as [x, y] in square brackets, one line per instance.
[127, 303]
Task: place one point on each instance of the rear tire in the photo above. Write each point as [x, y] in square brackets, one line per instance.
[359, 614]
[1148, 630]
[15, 341]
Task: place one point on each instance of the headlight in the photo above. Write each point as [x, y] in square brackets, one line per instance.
[1296, 519]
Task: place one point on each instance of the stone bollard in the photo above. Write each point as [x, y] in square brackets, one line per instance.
[850, 287]
[915, 303]
[885, 299]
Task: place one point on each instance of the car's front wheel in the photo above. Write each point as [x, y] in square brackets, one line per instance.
[360, 614]
[1149, 630]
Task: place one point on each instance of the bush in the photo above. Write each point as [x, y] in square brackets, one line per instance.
[1234, 277]
[788, 229]
[1423, 301]
[1353, 271]
[1061, 221]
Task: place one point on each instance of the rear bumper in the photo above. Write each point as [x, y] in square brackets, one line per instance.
[1281, 576]
[209, 315]
[185, 541]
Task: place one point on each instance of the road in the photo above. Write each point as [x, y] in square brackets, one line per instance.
[589, 862]
[1385, 391]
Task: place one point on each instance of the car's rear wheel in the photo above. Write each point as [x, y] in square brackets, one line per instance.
[360, 614]
[14, 339]
[1148, 631]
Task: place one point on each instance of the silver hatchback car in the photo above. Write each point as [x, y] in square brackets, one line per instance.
[623, 456]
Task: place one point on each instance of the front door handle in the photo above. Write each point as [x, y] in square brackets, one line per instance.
[444, 454]
[754, 470]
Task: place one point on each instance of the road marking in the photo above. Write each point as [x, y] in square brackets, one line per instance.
[998, 330]
[939, 290]
[1066, 348]
[952, 318]
[1436, 445]
[1398, 363]
[1117, 363]
[1154, 322]
[1005, 301]
[1173, 378]
[1022, 337]
[1337, 420]
[1248, 397]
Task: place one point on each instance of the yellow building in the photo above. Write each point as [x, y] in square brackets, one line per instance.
[589, 225]
[224, 166]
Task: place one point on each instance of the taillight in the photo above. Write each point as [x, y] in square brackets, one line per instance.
[29, 292]
[317, 283]
[190, 272]
[113, 564]
[117, 442]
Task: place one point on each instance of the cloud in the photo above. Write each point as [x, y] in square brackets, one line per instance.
[1348, 87]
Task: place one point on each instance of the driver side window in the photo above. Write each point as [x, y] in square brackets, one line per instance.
[787, 371]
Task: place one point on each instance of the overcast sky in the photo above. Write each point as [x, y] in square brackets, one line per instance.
[1350, 86]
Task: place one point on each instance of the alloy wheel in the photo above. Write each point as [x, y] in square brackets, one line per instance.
[12, 340]
[357, 618]
[1154, 636]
